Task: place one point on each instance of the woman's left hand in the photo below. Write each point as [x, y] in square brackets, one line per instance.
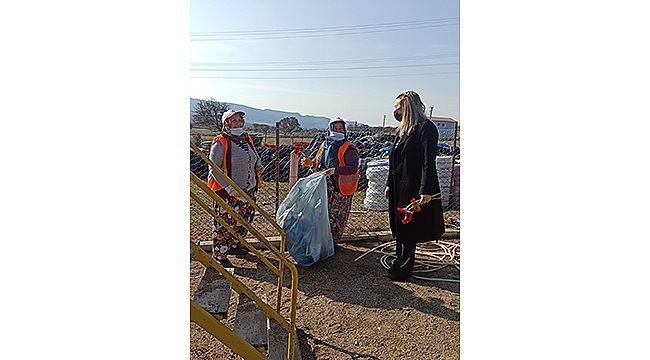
[424, 199]
[329, 172]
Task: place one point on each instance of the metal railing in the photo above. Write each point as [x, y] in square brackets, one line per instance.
[209, 323]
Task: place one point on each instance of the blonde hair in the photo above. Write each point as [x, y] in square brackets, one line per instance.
[412, 111]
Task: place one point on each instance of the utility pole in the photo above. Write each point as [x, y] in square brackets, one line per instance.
[431, 111]
[383, 124]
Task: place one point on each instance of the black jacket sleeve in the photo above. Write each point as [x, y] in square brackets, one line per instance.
[429, 141]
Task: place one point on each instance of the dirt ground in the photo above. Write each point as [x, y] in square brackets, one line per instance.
[352, 310]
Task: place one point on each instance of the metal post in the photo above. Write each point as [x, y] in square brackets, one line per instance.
[277, 166]
[453, 162]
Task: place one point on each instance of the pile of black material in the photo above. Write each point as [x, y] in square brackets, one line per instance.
[268, 161]
[371, 147]
[446, 150]
[198, 166]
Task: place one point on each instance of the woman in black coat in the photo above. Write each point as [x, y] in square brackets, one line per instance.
[412, 175]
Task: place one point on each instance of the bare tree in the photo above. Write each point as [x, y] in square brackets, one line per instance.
[289, 125]
[207, 114]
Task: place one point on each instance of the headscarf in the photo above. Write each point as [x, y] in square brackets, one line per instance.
[227, 133]
[331, 147]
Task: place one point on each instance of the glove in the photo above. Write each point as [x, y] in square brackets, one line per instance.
[329, 172]
[306, 162]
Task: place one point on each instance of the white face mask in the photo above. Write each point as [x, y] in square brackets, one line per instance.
[337, 136]
[237, 131]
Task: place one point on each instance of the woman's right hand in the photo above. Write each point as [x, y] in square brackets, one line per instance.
[306, 162]
[231, 191]
[386, 192]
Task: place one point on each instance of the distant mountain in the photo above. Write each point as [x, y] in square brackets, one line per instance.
[270, 117]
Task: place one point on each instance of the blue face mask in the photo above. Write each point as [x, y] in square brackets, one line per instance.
[237, 131]
[337, 136]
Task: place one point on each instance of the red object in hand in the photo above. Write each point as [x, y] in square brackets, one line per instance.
[297, 149]
[415, 204]
[409, 210]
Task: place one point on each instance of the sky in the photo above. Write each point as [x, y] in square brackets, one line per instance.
[94, 144]
[327, 58]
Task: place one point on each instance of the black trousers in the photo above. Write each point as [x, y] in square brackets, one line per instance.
[403, 264]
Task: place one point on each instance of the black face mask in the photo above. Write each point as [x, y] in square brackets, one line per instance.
[397, 115]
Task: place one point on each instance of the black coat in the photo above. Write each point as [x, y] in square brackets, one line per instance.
[412, 171]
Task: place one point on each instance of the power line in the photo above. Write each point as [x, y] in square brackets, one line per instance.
[318, 35]
[328, 28]
[326, 62]
[326, 69]
[320, 77]
[324, 31]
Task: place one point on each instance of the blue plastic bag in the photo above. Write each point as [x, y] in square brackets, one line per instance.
[303, 215]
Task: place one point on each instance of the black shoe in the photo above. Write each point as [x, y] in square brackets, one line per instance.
[240, 250]
[396, 265]
[397, 276]
[401, 271]
[225, 263]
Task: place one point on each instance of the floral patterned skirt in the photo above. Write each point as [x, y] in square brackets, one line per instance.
[222, 239]
[339, 209]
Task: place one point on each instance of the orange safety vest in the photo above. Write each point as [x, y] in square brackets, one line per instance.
[212, 183]
[347, 183]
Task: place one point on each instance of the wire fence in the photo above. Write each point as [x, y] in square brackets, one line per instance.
[369, 211]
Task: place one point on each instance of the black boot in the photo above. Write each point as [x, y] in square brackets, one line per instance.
[402, 268]
[399, 260]
[404, 273]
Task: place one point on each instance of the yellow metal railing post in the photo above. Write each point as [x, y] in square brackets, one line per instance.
[207, 260]
[223, 333]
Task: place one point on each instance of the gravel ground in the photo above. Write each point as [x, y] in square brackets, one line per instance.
[352, 310]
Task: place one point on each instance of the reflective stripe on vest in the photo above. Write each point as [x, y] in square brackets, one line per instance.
[349, 179]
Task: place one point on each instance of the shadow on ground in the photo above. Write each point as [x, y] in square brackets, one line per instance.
[341, 279]
[307, 352]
